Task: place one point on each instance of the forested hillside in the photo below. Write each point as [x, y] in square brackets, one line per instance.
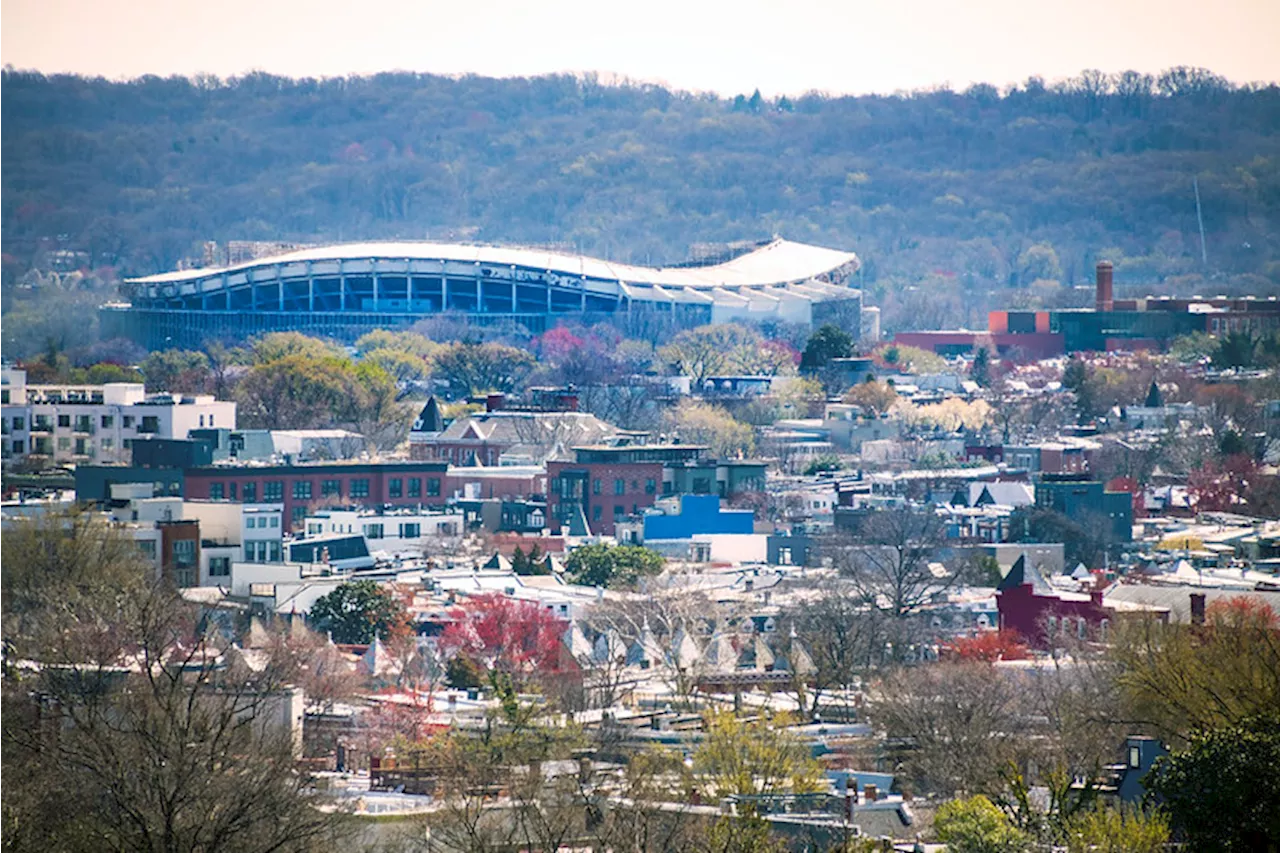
[957, 195]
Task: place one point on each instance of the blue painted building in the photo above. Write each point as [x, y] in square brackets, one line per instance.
[695, 515]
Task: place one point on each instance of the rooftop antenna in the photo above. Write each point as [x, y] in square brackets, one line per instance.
[1204, 254]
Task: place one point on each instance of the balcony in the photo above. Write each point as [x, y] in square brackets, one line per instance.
[42, 425]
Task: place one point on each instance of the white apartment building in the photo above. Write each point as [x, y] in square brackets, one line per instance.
[393, 531]
[93, 423]
[228, 532]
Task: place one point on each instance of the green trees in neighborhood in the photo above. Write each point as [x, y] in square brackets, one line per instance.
[358, 611]
[613, 566]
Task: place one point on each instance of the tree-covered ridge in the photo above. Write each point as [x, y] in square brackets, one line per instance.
[953, 186]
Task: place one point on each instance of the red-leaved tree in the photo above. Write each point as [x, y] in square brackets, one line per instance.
[1224, 486]
[516, 637]
[988, 647]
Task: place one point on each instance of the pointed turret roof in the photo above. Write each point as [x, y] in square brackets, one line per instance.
[684, 650]
[1024, 572]
[375, 660]
[1155, 400]
[608, 646]
[756, 655]
[720, 655]
[577, 643]
[429, 419]
[646, 650]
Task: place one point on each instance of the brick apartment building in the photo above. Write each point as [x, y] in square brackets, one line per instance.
[302, 486]
[606, 483]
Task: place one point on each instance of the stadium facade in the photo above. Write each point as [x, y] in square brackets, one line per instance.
[346, 290]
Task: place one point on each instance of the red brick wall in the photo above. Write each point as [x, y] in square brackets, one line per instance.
[198, 482]
[634, 476]
[498, 487]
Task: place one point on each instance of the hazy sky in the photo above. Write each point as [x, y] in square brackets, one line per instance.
[780, 47]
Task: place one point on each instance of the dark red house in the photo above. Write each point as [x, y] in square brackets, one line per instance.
[1030, 605]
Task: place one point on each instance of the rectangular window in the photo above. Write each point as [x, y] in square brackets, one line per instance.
[433, 487]
[595, 487]
[415, 487]
[250, 492]
[64, 443]
[273, 490]
[148, 549]
[619, 487]
[302, 490]
[17, 446]
[232, 489]
[64, 420]
[215, 492]
[108, 421]
[360, 488]
[298, 515]
[331, 488]
[650, 486]
[126, 421]
[81, 447]
[275, 521]
[410, 531]
[373, 531]
[150, 423]
[395, 487]
[83, 423]
[184, 553]
[251, 522]
[596, 513]
[619, 511]
[219, 567]
[19, 424]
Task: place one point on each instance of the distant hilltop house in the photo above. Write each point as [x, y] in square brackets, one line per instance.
[346, 290]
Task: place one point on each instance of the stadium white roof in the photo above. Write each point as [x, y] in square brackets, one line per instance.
[775, 263]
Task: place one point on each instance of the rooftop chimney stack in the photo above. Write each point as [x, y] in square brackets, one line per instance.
[1105, 299]
[1197, 608]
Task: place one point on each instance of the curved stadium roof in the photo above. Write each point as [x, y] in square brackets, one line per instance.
[778, 262]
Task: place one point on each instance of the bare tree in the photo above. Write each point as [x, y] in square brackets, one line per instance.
[953, 726]
[845, 640]
[630, 406]
[131, 726]
[890, 559]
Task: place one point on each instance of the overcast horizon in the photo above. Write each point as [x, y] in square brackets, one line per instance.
[851, 48]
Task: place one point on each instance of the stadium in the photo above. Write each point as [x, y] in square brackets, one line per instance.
[346, 290]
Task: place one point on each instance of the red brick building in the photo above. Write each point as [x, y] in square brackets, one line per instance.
[605, 483]
[300, 486]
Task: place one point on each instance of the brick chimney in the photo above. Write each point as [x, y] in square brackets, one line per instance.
[1105, 300]
[1197, 608]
